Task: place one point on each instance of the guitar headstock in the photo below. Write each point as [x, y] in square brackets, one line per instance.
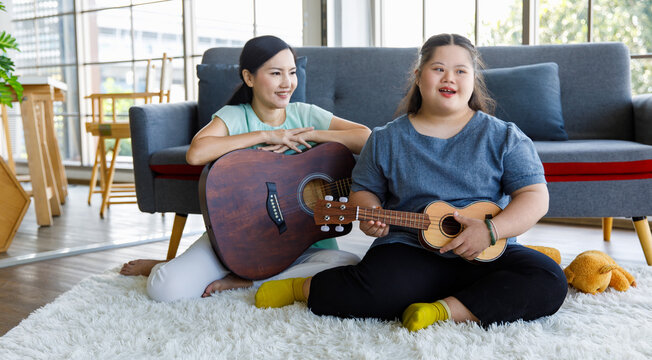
[333, 212]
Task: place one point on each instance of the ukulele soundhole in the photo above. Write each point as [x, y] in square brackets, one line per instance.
[449, 226]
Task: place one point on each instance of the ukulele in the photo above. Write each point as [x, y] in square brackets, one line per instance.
[257, 205]
[436, 224]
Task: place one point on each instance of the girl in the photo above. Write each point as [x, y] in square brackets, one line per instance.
[459, 154]
[259, 115]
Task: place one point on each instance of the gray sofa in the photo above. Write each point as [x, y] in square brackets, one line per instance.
[604, 169]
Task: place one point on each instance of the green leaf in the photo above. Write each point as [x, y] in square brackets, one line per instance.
[18, 88]
[6, 64]
[7, 42]
[5, 95]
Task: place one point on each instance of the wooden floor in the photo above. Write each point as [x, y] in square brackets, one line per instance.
[25, 288]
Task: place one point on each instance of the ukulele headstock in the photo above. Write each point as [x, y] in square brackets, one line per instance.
[333, 212]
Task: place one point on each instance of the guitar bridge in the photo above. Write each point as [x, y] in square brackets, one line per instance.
[274, 207]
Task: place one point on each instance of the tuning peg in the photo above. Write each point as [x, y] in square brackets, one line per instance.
[339, 228]
[325, 228]
[344, 199]
[328, 197]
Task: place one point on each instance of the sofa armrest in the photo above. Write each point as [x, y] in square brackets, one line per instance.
[643, 118]
[155, 127]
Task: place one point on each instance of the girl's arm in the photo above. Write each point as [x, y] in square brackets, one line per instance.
[213, 141]
[528, 205]
[369, 200]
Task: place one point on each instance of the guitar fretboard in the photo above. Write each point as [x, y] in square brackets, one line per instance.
[393, 217]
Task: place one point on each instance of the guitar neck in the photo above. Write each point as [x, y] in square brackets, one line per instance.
[392, 217]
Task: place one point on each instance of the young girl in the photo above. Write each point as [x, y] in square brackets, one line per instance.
[446, 147]
[259, 115]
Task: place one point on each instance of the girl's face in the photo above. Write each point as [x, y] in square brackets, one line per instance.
[275, 81]
[447, 79]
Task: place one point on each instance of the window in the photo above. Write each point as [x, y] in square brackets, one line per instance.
[118, 38]
[456, 17]
[109, 50]
[500, 22]
[563, 22]
[402, 23]
[43, 30]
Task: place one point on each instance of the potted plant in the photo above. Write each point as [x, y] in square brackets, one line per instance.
[8, 81]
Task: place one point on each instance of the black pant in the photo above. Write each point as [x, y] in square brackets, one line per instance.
[521, 284]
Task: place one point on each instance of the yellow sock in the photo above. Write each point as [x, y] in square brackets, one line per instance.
[421, 315]
[279, 293]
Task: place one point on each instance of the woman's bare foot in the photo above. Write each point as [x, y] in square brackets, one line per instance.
[227, 283]
[139, 267]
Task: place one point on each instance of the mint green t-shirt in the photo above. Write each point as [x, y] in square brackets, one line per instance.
[241, 119]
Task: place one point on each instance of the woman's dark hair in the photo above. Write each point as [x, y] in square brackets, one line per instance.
[480, 99]
[254, 54]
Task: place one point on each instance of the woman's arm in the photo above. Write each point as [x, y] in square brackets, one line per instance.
[350, 134]
[369, 200]
[214, 140]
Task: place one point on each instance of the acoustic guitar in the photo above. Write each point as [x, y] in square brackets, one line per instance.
[257, 205]
[436, 224]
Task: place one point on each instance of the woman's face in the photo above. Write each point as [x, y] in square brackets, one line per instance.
[447, 79]
[275, 81]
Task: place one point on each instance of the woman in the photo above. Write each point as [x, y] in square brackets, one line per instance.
[445, 148]
[259, 115]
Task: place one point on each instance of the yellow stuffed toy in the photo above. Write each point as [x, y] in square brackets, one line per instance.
[551, 252]
[593, 271]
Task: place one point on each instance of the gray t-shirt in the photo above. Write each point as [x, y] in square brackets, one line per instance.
[487, 160]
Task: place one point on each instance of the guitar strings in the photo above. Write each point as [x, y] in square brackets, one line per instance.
[342, 187]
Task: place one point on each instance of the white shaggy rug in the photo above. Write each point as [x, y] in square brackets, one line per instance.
[109, 316]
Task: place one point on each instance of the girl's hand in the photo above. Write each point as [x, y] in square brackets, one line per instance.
[473, 239]
[290, 138]
[374, 228]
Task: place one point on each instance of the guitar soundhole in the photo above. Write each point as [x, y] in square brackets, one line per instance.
[313, 191]
[450, 227]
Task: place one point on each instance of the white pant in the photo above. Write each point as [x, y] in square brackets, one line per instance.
[188, 275]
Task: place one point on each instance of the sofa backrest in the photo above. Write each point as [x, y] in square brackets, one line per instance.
[596, 95]
[366, 84]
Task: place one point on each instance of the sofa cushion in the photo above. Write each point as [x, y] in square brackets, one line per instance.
[171, 163]
[217, 82]
[530, 97]
[595, 160]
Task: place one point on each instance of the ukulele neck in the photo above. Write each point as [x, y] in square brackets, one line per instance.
[393, 217]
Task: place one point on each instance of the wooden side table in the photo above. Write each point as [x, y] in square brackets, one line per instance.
[47, 174]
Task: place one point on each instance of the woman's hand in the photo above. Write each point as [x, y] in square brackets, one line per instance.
[281, 139]
[473, 239]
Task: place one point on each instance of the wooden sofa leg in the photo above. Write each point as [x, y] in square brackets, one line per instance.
[644, 236]
[607, 224]
[177, 231]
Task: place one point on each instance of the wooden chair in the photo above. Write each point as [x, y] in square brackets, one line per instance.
[119, 130]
